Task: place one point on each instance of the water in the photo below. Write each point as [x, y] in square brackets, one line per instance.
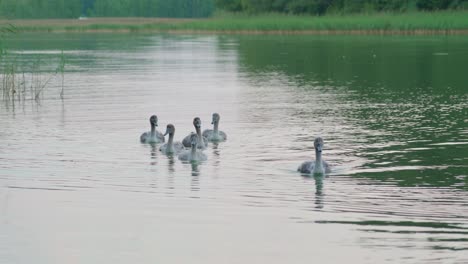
[76, 186]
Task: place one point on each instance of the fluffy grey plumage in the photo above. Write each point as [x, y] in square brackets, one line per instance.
[152, 136]
[214, 134]
[202, 141]
[318, 166]
[194, 154]
[171, 147]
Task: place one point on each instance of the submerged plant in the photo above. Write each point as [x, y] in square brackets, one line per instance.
[61, 70]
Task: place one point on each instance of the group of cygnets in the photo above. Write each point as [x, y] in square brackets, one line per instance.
[191, 147]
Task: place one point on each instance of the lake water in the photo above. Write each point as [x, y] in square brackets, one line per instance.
[77, 186]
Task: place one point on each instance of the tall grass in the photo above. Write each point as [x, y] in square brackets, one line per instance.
[22, 82]
[377, 21]
[399, 22]
[19, 84]
[61, 71]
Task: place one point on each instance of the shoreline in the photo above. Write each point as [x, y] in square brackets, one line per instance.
[382, 32]
[269, 24]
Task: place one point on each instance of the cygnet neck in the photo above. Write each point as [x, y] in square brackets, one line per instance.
[318, 160]
[193, 151]
[215, 127]
[170, 141]
[199, 135]
[318, 155]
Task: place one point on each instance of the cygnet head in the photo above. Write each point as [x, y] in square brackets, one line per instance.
[318, 144]
[154, 120]
[215, 119]
[197, 122]
[170, 130]
[194, 140]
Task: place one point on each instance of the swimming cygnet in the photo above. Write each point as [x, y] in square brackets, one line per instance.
[214, 134]
[318, 166]
[194, 154]
[171, 147]
[152, 136]
[202, 141]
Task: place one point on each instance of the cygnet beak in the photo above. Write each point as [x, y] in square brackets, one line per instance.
[319, 148]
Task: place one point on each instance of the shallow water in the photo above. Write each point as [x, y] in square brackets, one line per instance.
[76, 186]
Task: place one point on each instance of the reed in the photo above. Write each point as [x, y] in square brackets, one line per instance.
[19, 84]
[448, 22]
[376, 21]
[61, 70]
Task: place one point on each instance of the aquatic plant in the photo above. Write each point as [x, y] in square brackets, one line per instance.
[61, 70]
[15, 79]
[20, 84]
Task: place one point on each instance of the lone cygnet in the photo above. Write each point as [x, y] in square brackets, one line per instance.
[318, 166]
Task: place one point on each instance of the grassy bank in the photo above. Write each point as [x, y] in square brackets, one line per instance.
[451, 22]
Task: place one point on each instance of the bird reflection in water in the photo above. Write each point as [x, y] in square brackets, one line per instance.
[319, 194]
[170, 163]
[214, 147]
[319, 191]
[153, 154]
[195, 180]
[195, 168]
[216, 156]
[170, 178]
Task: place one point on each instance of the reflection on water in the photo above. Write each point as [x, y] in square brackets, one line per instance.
[77, 186]
[319, 192]
[195, 168]
[154, 152]
[171, 162]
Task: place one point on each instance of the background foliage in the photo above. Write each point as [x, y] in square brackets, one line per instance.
[105, 8]
[320, 7]
[205, 8]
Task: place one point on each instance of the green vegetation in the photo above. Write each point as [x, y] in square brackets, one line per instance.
[21, 83]
[384, 16]
[417, 22]
[40, 9]
[18, 82]
[320, 7]
[205, 8]
[105, 8]
[152, 8]
[379, 21]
